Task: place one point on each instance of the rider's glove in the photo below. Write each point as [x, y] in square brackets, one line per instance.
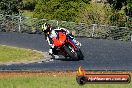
[71, 36]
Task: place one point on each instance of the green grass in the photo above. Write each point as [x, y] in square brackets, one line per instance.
[27, 13]
[13, 54]
[52, 82]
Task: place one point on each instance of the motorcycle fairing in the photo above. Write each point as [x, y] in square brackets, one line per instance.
[60, 40]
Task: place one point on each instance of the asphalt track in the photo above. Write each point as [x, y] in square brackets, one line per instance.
[99, 54]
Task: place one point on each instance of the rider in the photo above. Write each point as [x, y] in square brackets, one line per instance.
[51, 32]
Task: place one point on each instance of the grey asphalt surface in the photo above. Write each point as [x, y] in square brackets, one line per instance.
[99, 54]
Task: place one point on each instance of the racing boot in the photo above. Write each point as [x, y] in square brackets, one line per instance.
[52, 54]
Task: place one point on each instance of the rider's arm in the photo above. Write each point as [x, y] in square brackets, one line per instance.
[50, 42]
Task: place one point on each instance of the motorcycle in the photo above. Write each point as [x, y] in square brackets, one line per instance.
[67, 47]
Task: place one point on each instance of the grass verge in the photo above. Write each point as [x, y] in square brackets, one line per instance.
[48, 80]
[14, 54]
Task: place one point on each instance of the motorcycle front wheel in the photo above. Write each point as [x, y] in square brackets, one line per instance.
[80, 55]
[71, 52]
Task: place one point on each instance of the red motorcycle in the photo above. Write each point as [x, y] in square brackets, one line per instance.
[67, 47]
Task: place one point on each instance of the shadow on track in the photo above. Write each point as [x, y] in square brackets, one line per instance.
[67, 59]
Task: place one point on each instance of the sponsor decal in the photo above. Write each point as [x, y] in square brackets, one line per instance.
[83, 78]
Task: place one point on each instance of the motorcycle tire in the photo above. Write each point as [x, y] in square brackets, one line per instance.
[70, 54]
[80, 55]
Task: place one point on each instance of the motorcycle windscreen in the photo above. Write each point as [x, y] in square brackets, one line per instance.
[60, 40]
